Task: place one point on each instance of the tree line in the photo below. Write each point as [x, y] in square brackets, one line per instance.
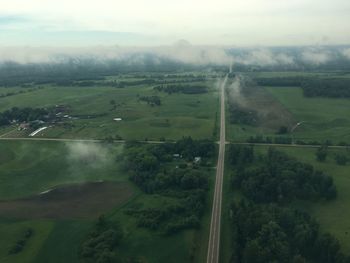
[280, 81]
[185, 89]
[333, 88]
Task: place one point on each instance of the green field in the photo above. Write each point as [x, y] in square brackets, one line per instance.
[324, 118]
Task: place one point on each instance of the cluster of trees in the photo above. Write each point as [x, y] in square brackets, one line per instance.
[334, 88]
[189, 148]
[267, 139]
[322, 154]
[239, 115]
[341, 158]
[20, 244]
[23, 114]
[169, 218]
[12, 93]
[279, 178]
[263, 229]
[101, 242]
[145, 163]
[186, 89]
[151, 100]
[186, 77]
[271, 233]
[187, 185]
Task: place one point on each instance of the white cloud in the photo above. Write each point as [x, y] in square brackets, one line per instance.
[316, 57]
[199, 55]
[346, 53]
[264, 57]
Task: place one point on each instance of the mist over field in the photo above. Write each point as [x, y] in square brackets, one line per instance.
[88, 154]
[181, 52]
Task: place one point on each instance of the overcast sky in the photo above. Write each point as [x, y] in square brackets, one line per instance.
[159, 22]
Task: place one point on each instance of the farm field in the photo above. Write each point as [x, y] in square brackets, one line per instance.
[55, 189]
[91, 111]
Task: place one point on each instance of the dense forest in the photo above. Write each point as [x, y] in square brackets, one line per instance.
[265, 228]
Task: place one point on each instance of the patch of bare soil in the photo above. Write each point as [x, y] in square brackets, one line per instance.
[88, 200]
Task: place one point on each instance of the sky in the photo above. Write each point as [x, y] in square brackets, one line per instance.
[164, 22]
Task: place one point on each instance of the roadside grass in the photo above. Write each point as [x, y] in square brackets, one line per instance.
[325, 118]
